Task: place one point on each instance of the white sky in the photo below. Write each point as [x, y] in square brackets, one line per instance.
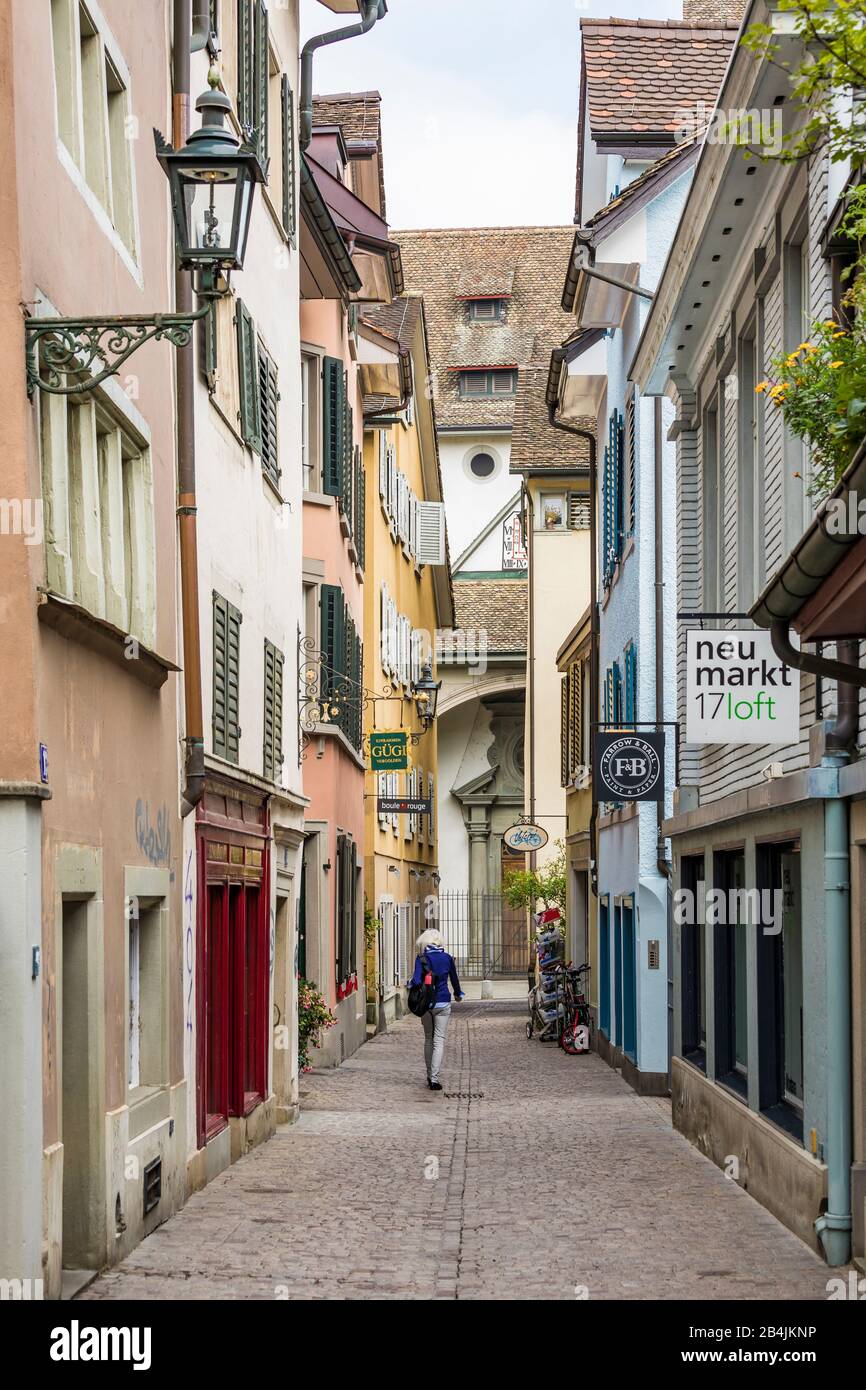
[479, 102]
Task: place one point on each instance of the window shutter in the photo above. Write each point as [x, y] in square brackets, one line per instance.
[288, 110]
[563, 730]
[245, 66]
[262, 64]
[248, 378]
[333, 615]
[226, 679]
[431, 533]
[346, 491]
[361, 514]
[273, 713]
[353, 904]
[578, 511]
[616, 692]
[616, 427]
[630, 463]
[409, 820]
[630, 683]
[333, 425]
[575, 746]
[383, 467]
[606, 565]
[208, 347]
[382, 792]
[269, 397]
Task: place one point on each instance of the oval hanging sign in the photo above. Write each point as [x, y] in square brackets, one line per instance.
[526, 837]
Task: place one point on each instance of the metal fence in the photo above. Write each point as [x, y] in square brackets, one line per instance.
[487, 938]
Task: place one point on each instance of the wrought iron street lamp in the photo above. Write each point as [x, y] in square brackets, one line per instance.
[212, 181]
[425, 693]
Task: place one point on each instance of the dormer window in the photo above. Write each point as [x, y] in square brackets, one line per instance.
[486, 310]
[481, 382]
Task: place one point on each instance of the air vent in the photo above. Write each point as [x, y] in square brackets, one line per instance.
[653, 955]
[152, 1184]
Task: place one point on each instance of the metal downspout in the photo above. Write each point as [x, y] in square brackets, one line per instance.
[371, 10]
[201, 29]
[662, 861]
[193, 774]
[593, 619]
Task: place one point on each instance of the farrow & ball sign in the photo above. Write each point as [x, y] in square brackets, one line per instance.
[629, 766]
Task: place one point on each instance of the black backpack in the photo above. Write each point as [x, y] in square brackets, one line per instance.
[422, 997]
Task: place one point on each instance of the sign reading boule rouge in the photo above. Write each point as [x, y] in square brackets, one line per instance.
[629, 766]
[402, 806]
[388, 751]
[525, 837]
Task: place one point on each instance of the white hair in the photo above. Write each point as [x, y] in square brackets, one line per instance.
[430, 937]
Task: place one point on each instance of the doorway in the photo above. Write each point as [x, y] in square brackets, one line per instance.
[79, 1099]
[283, 1005]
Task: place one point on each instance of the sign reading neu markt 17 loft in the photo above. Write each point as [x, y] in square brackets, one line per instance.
[738, 691]
[629, 766]
[388, 751]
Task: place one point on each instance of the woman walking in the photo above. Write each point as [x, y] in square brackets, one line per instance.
[431, 948]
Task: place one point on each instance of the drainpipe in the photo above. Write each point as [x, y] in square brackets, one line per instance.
[200, 25]
[589, 436]
[834, 1227]
[371, 11]
[193, 742]
[662, 862]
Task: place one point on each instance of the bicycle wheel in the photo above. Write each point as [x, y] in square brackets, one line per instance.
[529, 1029]
[576, 1035]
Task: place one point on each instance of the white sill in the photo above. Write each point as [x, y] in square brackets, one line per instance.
[320, 499]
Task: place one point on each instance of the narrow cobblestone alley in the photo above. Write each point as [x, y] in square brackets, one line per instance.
[552, 1174]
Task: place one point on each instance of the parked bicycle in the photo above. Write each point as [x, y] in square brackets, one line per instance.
[558, 1008]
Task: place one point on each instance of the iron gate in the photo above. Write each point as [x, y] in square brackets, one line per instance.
[487, 938]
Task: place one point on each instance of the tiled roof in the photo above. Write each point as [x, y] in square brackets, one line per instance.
[439, 264]
[648, 76]
[495, 606]
[535, 443]
[358, 114]
[491, 279]
[396, 320]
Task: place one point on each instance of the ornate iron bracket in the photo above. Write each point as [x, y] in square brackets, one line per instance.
[316, 707]
[59, 348]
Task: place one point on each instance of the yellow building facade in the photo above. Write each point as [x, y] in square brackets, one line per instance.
[573, 662]
[407, 599]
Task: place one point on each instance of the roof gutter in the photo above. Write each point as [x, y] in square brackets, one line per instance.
[371, 11]
[319, 217]
[583, 263]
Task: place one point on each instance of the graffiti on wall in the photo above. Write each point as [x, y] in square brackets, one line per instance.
[154, 841]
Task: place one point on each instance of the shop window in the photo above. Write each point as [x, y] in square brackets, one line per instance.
[730, 972]
[604, 965]
[693, 969]
[780, 988]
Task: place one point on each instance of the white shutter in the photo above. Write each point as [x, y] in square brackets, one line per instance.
[393, 792]
[431, 533]
[383, 467]
[431, 792]
[382, 790]
[413, 525]
[383, 635]
[392, 483]
[409, 828]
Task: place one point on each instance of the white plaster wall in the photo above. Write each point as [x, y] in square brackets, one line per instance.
[471, 502]
[463, 739]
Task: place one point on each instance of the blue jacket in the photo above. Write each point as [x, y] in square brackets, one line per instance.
[443, 969]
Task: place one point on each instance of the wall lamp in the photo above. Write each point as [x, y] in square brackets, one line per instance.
[212, 181]
[425, 693]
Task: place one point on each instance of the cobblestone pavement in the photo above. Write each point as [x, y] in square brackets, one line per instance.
[552, 1174]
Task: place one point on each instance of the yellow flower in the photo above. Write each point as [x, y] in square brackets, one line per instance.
[837, 364]
[761, 386]
[829, 323]
[840, 334]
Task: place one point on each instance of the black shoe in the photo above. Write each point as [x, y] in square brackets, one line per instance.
[434, 1085]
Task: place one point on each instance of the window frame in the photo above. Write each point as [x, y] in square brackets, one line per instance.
[465, 374]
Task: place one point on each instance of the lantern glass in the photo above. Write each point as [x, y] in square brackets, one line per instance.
[213, 208]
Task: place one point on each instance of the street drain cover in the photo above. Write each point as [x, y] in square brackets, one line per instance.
[463, 1095]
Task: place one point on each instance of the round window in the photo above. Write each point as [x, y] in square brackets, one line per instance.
[482, 465]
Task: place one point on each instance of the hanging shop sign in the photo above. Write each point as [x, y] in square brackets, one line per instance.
[388, 751]
[403, 805]
[525, 837]
[738, 690]
[629, 766]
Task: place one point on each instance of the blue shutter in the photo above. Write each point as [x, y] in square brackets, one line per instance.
[630, 684]
[617, 693]
[606, 516]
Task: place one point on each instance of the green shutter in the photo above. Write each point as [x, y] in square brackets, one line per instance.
[361, 515]
[208, 347]
[261, 77]
[333, 621]
[248, 378]
[269, 397]
[288, 109]
[333, 426]
[273, 712]
[346, 496]
[245, 66]
[226, 679]
[563, 730]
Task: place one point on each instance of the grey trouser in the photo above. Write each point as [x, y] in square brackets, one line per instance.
[435, 1027]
